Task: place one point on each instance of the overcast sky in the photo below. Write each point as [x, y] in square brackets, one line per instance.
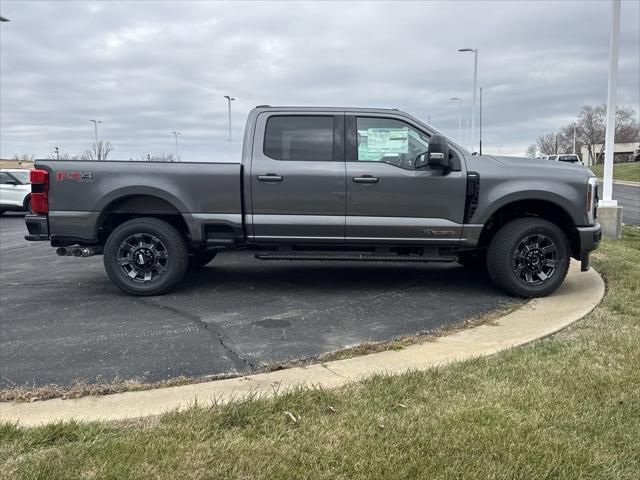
[146, 68]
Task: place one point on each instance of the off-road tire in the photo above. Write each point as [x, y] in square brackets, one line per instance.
[503, 251]
[170, 238]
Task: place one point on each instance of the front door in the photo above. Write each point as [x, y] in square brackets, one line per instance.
[10, 192]
[298, 178]
[388, 199]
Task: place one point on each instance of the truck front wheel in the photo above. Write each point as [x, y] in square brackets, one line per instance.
[145, 256]
[528, 257]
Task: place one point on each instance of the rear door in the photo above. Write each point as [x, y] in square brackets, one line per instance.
[390, 201]
[298, 177]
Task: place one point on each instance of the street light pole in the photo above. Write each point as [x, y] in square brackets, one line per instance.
[459, 117]
[609, 139]
[175, 134]
[466, 130]
[229, 100]
[95, 128]
[480, 120]
[475, 82]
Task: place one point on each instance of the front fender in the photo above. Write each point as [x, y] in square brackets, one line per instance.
[495, 196]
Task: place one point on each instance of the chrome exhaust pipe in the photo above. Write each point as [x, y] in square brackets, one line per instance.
[78, 251]
[86, 251]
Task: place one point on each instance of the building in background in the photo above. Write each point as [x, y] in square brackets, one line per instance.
[623, 152]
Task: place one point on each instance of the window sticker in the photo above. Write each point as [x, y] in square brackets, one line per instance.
[375, 143]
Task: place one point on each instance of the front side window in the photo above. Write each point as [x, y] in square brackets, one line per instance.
[306, 138]
[390, 141]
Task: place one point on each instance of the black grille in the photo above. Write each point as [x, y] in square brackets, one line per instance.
[473, 195]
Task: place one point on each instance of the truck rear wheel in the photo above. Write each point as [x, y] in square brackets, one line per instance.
[528, 257]
[145, 256]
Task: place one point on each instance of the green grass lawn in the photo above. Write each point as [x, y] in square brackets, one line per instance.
[629, 172]
[564, 407]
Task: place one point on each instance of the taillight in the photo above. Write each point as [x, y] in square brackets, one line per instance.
[39, 191]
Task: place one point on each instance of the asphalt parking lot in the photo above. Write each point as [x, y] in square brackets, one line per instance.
[629, 197]
[62, 320]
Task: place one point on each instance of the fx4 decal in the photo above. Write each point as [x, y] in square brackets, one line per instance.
[75, 176]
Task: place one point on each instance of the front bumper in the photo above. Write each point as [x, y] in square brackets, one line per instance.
[38, 228]
[589, 238]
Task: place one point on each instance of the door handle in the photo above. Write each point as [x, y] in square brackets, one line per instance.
[365, 179]
[270, 177]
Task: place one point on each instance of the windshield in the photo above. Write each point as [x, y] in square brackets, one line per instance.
[568, 158]
[23, 177]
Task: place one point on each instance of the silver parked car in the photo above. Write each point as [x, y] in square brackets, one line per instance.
[566, 157]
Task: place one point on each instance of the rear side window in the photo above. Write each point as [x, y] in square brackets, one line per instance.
[5, 179]
[306, 138]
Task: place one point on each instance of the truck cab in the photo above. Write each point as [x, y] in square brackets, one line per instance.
[350, 176]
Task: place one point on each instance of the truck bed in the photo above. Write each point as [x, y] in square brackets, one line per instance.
[79, 191]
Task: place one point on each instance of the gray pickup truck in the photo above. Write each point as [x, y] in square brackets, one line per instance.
[345, 184]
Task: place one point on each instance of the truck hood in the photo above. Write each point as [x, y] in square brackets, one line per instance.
[527, 166]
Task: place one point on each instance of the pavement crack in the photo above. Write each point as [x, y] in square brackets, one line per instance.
[37, 284]
[234, 356]
[324, 365]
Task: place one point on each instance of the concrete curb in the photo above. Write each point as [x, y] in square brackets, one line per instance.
[578, 296]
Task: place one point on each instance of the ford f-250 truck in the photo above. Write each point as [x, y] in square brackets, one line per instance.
[323, 184]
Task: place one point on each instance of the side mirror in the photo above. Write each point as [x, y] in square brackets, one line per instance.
[421, 160]
[438, 152]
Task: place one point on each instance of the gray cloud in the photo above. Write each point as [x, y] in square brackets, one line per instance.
[147, 68]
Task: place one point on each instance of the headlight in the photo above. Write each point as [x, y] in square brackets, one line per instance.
[592, 200]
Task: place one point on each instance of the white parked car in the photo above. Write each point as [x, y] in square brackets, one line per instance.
[15, 191]
[566, 157]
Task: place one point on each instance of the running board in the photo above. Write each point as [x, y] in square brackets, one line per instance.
[351, 257]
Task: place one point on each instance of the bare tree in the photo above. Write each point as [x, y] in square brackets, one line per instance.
[589, 132]
[546, 144]
[63, 156]
[532, 151]
[591, 128]
[25, 157]
[99, 150]
[627, 128]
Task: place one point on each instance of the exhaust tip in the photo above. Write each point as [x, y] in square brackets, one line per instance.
[77, 252]
[63, 252]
